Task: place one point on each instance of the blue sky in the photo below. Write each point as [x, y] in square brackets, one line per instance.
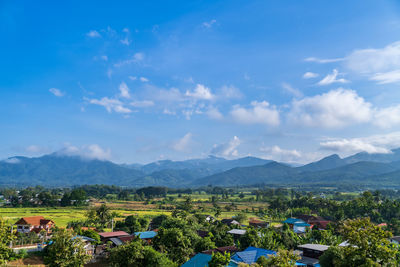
[139, 81]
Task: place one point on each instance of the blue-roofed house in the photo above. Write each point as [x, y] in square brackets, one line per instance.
[250, 255]
[147, 235]
[299, 226]
[199, 260]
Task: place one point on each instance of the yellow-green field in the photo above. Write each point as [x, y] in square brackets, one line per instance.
[62, 215]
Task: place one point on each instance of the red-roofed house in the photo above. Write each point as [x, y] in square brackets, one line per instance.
[108, 235]
[315, 221]
[34, 224]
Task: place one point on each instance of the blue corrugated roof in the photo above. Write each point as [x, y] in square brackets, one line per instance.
[302, 224]
[251, 255]
[146, 235]
[293, 220]
[199, 260]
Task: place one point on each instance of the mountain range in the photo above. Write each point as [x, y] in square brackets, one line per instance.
[62, 170]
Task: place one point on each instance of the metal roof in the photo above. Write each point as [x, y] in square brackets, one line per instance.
[116, 241]
[237, 231]
[146, 235]
[317, 247]
[251, 254]
[199, 260]
[293, 221]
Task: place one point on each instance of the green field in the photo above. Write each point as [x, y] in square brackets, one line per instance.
[62, 215]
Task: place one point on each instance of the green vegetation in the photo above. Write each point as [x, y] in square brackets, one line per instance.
[65, 251]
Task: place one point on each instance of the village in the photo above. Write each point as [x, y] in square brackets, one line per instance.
[191, 239]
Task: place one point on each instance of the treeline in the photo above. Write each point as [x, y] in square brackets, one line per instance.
[41, 196]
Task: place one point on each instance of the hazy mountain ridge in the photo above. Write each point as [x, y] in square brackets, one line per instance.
[58, 170]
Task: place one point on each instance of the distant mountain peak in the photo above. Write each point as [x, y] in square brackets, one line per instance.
[329, 162]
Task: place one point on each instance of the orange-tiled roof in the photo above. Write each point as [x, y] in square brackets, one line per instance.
[34, 220]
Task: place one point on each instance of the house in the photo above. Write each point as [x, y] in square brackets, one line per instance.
[297, 225]
[147, 235]
[88, 244]
[199, 260]
[250, 255]
[258, 224]
[228, 249]
[34, 224]
[230, 222]
[106, 236]
[118, 241]
[311, 253]
[317, 222]
[237, 233]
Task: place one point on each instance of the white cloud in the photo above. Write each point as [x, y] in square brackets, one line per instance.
[375, 60]
[332, 78]
[125, 41]
[169, 112]
[56, 92]
[209, 24]
[12, 160]
[293, 91]
[387, 77]
[214, 113]
[336, 108]
[310, 75]
[200, 92]
[183, 143]
[93, 34]
[124, 90]
[279, 154]
[142, 104]
[227, 149]
[110, 105]
[322, 61]
[229, 92]
[387, 117]
[352, 146]
[143, 79]
[259, 113]
[92, 151]
[382, 143]
[136, 58]
[170, 96]
[133, 78]
[381, 65]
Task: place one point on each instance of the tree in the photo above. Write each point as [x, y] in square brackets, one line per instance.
[369, 245]
[100, 216]
[205, 243]
[5, 238]
[250, 238]
[241, 217]
[219, 259]
[158, 220]
[284, 258]
[65, 251]
[174, 243]
[91, 234]
[136, 254]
